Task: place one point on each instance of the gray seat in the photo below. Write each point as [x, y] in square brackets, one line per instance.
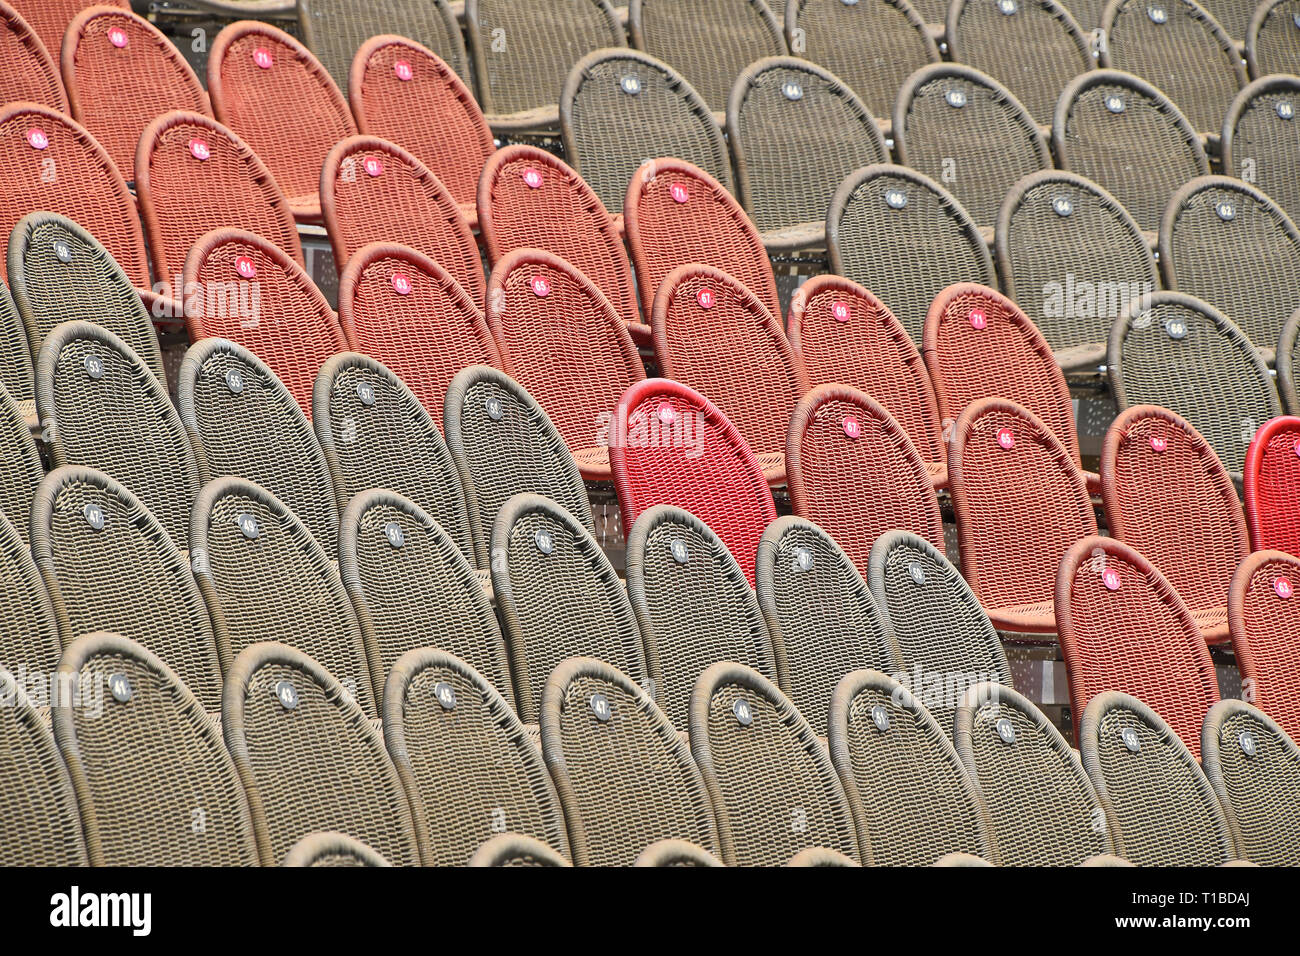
[31, 643]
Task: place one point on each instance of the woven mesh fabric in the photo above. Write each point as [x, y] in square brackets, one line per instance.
[931, 11]
[884, 215]
[1257, 786]
[609, 132]
[31, 644]
[853, 471]
[375, 434]
[425, 335]
[154, 781]
[329, 848]
[424, 593]
[818, 608]
[1273, 38]
[1288, 364]
[279, 314]
[561, 339]
[1233, 15]
[710, 47]
[1043, 808]
[39, 819]
[1169, 498]
[1211, 375]
[397, 109]
[1072, 257]
[89, 572]
[774, 789]
[1035, 49]
[1088, 13]
[873, 46]
[1272, 483]
[1260, 142]
[512, 849]
[625, 782]
[29, 74]
[562, 215]
[258, 75]
[1230, 245]
[336, 29]
[101, 407]
[1018, 508]
[913, 801]
[50, 18]
[676, 214]
[375, 191]
[1138, 637]
[471, 767]
[21, 469]
[558, 597]
[1263, 625]
[676, 853]
[692, 613]
[320, 765]
[1187, 55]
[1164, 809]
[1124, 134]
[278, 583]
[966, 130]
[796, 131]
[16, 375]
[256, 432]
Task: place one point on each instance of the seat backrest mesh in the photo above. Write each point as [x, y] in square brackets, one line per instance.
[1271, 482]
[21, 469]
[30, 73]
[32, 642]
[50, 18]
[1260, 142]
[1263, 623]
[1273, 37]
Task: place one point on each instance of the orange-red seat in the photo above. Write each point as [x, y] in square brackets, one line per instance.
[1264, 619]
[29, 72]
[1271, 484]
[50, 18]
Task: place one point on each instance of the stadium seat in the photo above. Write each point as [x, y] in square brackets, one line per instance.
[1072, 257]
[694, 606]
[1125, 135]
[21, 469]
[625, 777]
[1165, 811]
[1124, 628]
[676, 853]
[153, 779]
[1168, 497]
[963, 128]
[1263, 626]
[818, 608]
[252, 293]
[17, 377]
[913, 801]
[560, 338]
[1254, 768]
[854, 472]
[558, 597]
[713, 334]
[1270, 485]
[1233, 17]
[843, 333]
[796, 131]
[621, 107]
[32, 642]
[512, 849]
[1021, 503]
[774, 789]
[331, 848]
[886, 215]
[29, 72]
[1042, 807]
[470, 767]
[257, 76]
[1288, 364]
[1271, 46]
[50, 18]
[1183, 354]
[243, 422]
[1260, 143]
[310, 758]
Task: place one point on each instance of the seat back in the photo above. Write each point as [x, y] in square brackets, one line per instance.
[1271, 47]
[16, 375]
[512, 849]
[21, 469]
[913, 801]
[694, 606]
[310, 757]
[818, 608]
[331, 848]
[1165, 811]
[676, 853]
[32, 642]
[1259, 140]
[469, 765]
[1263, 624]
[30, 73]
[95, 544]
[50, 18]
[1271, 482]
[774, 788]
[1288, 364]
[625, 777]
[884, 215]
[1124, 628]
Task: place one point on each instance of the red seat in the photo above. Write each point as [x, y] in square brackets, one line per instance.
[854, 472]
[675, 213]
[1264, 618]
[273, 92]
[29, 72]
[1124, 628]
[403, 92]
[121, 74]
[713, 334]
[1272, 486]
[668, 444]
[1168, 496]
[253, 294]
[1020, 503]
[50, 18]
[844, 333]
[561, 339]
[401, 308]
[372, 190]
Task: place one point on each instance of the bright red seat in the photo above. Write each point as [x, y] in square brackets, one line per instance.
[1264, 618]
[29, 72]
[1272, 486]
